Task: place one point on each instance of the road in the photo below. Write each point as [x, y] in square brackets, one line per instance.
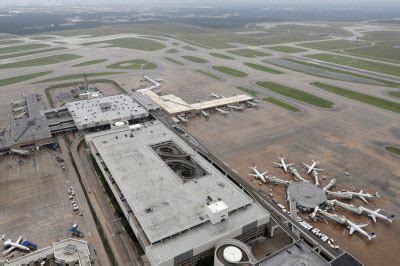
[116, 235]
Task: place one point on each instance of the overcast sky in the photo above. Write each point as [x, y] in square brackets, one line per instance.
[321, 3]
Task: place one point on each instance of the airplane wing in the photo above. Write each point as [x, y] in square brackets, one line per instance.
[373, 217]
[264, 173]
[289, 164]
[377, 210]
[253, 175]
[278, 164]
[8, 250]
[306, 165]
[361, 197]
[352, 229]
[318, 169]
[19, 240]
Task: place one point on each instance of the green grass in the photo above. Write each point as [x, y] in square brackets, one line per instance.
[383, 51]
[194, 59]
[248, 91]
[42, 38]
[287, 49]
[7, 56]
[332, 45]
[263, 68]
[230, 71]
[175, 43]
[172, 51]
[247, 52]
[358, 63]
[48, 60]
[223, 56]
[133, 64]
[78, 76]
[189, 48]
[334, 70]
[20, 48]
[91, 62]
[16, 79]
[296, 94]
[131, 43]
[395, 93]
[282, 104]
[174, 61]
[6, 42]
[361, 97]
[395, 150]
[208, 74]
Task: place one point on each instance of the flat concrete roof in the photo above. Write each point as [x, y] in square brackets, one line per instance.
[100, 111]
[298, 253]
[175, 105]
[146, 181]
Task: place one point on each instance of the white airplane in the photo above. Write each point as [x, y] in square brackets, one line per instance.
[204, 113]
[364, 196]
[257, 174]
[10, 245]
[221, 111]
[283, 165]
[215, 95]
[358, 227]
[375, 214]
[252, 104]
[312, 167]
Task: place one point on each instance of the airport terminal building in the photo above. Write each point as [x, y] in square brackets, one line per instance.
[178, 204]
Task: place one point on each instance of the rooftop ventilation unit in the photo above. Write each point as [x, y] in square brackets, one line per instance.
[217, 211]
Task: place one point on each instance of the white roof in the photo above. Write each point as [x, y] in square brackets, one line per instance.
[217, 206]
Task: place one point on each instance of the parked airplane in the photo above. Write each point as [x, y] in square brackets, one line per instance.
[312, 167]
[252, 104]
[375, 214]
[257, 174]
[215, 95]
[358, 227]
[283, 164]
[221, 111]
[364, 196]
[10, 245]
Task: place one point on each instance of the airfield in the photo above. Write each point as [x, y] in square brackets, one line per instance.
[356, 132]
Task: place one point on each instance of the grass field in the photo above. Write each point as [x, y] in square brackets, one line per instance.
[7, 56]
[174, 61]
[332, 45]
[131, 43]
[172, 51]
[6, 42]
[194, 59]
[296, 94]
[16, 79]
[382, 35]
[133, 64]
[281, 104]
[358, 63]
[42, 61]
[78, 76]
[208, 74]
[395, 150]
[189, 48]
[361, 97]
[263, 68]
[91, 62]
[42, 38]
[287, 49]
[385, 51]
[20, 48]
[395, 93]
[248, 91]
[334, 70]
[223, 56]
[230, 71]
[247, 52]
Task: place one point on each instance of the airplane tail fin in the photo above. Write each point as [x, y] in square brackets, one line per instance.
[391, 218]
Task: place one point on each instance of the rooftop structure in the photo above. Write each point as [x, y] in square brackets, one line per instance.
[306, 195]
[103, 111]
[69, 251]
[177, 203]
